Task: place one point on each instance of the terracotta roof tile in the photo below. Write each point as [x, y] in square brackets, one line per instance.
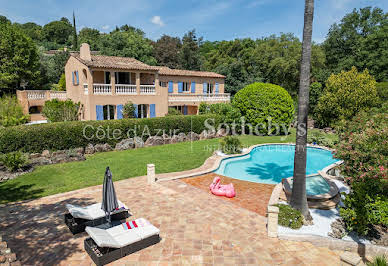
[128, 63]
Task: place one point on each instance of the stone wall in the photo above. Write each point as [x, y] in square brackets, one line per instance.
[6, 256]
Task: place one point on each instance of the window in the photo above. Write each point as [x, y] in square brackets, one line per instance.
[123, 77]
[162, 84]
[142, 111]
[109, 112]
[210, 88]
[107, 77]
[186, 87]
[75, 77]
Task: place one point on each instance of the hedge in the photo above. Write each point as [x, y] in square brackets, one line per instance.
[68, 135]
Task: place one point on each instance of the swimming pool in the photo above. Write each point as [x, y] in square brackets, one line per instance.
[271, 163]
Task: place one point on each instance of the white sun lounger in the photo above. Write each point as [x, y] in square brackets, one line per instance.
[107, 245]
[79, 217]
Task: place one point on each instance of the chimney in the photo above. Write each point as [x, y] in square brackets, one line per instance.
[85, 52]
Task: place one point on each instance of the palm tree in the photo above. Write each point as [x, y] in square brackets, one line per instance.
[298, 197]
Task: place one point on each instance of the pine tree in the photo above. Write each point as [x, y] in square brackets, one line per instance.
[75, 37]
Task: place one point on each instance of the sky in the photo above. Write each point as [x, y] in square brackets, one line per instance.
[214, 20]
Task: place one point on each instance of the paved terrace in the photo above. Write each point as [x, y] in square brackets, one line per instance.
[196, 228]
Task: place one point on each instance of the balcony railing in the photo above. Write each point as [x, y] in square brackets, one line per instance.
[147, 89]
[125, 89]
[102, 89]
[33, 95]
[224, 97]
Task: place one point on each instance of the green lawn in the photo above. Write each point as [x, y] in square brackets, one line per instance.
[53, 179]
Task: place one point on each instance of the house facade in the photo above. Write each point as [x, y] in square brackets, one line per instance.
[104, 84]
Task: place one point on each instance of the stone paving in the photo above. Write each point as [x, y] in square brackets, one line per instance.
[196, 229]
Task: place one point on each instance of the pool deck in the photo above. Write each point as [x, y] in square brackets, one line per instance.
[196, 227]
[249, 195]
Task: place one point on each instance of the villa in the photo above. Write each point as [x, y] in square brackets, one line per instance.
[104, 84]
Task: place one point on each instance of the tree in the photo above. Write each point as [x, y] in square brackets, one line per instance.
[11, 112]
[360, 40]
[54, 66]
[90, 36]
[167, 51]
[19, 59]
[129, 110]
[75, 38]
[346, 94]
[128, 43]
[4, 20]
[315, 92]
[298, 196]
[190, 56]
[58, 31]
[32, 30]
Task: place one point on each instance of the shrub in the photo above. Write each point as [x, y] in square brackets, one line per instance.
[129, 110]
[265, 104]
[59, 111]
[228, 113]
[289, 217]
[364, 148]
[11, 112]
[173, 111]
[315, 92]
[320, 138]
[62, 82]
[230, 145]
[345, 94]
[382, 91]
[14, 161]
[378, 261]
[74, 134]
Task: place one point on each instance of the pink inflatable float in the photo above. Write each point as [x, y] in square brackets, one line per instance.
[222, 190]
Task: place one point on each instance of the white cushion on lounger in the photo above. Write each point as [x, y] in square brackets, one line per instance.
[118, 236]
[90, 212]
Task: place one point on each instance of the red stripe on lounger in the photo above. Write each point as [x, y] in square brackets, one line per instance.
[128, 225]
[134, 223]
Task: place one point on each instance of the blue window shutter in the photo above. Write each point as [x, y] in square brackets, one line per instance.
[170, 87]
[76, 75]
[135, 111]
[120, 111]
[152, 110]
[72, 75]
[99, 112]
[192, 87]
[180, 87]
[217, 90]
[204, 88]
[185, 110]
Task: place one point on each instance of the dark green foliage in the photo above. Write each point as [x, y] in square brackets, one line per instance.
[320, 138]
[90, 36]
[230, 145]
[14, 161]
[316, 91]
[11, 112]
[228, 113]
[129, 110]
[19, 60]
[364, 148]
[190, 57]
[62, 82]
[75, 37]
[32, 30]
[265, 105]
[289, 217]
[173, 111]
[167, 51]
[59, 111]
[382, 91]
[361, 40]
[67, 135]
[58, 31]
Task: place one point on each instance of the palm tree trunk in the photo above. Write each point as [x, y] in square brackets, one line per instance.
[298, 197]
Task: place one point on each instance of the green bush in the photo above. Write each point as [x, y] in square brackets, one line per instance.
[345, 94]
[173, 111]
[227, 111]
[382, 91]
[129, 110]
[363, 147]
[73, 134]
[315, 92]
[62, 82]
[378, 261]
[59, 111]
[14, 161]
[289, 217]
[230, 145]
[265, 104]
[320, 138]
[11, 112]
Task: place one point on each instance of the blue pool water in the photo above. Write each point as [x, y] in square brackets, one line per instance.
[269, 164]
[316, 185]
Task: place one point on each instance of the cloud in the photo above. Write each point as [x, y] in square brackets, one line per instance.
[105, 27]
[157, 21]
[256, 3]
